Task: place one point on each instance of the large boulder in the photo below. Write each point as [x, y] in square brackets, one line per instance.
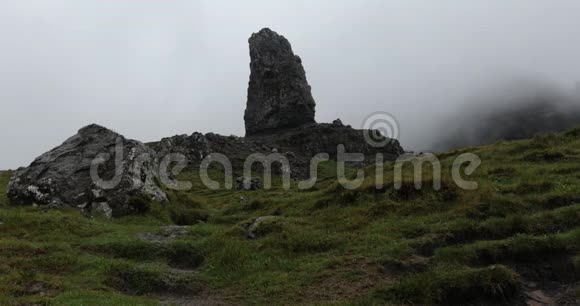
[125, 182]
[279, 96]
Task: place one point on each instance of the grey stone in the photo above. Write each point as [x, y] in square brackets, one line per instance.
[166, 234]
[256, 224]
[248, 183]
[290, 155]
[101, 209]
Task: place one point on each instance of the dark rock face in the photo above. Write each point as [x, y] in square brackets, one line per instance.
[279, 96]
[61, 177]
[337, 123]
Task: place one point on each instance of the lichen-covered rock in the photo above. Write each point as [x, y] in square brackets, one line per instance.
[194, 147]
[279, 96]
[62, 176]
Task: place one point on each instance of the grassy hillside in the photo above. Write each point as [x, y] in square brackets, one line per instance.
[515, 238]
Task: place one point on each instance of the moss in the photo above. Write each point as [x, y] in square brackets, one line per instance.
[452, 286]
[4, 179]
[544, 156]
[304, 241]
[502, 172]
[99, 297]
[149, 279]
[527, 188]
[520, 248]
[183, 254]
[187, 216]
[139, 203]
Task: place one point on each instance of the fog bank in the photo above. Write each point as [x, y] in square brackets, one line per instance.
[513, 110]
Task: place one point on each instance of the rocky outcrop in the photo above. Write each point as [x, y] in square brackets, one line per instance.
[279, 96]
[62, 176]
[279, 118]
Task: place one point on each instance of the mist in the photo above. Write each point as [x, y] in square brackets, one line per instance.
[151, 69]
[513, 110]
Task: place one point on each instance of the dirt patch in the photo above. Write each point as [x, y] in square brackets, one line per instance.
[41, 289]
[206, 298]
[166, 234]
[368, 275]
[414, 264]
[548, 282]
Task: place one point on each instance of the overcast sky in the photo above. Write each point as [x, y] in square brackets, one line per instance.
[151, 69]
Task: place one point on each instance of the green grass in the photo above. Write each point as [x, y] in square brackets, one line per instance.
[4, 179]
[453, 285]
[328, 244]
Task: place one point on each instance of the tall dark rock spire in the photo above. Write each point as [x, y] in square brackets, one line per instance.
[279, 96]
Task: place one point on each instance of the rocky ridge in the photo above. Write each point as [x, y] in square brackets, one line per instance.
[299, 146]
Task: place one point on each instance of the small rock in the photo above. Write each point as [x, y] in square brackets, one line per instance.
[337, 123]
[167, 233]
[538, 297]
[250, 183]
[101, 209]
[38, 288]
[254, 226]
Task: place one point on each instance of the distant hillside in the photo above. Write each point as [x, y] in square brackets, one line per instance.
[515, 111]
